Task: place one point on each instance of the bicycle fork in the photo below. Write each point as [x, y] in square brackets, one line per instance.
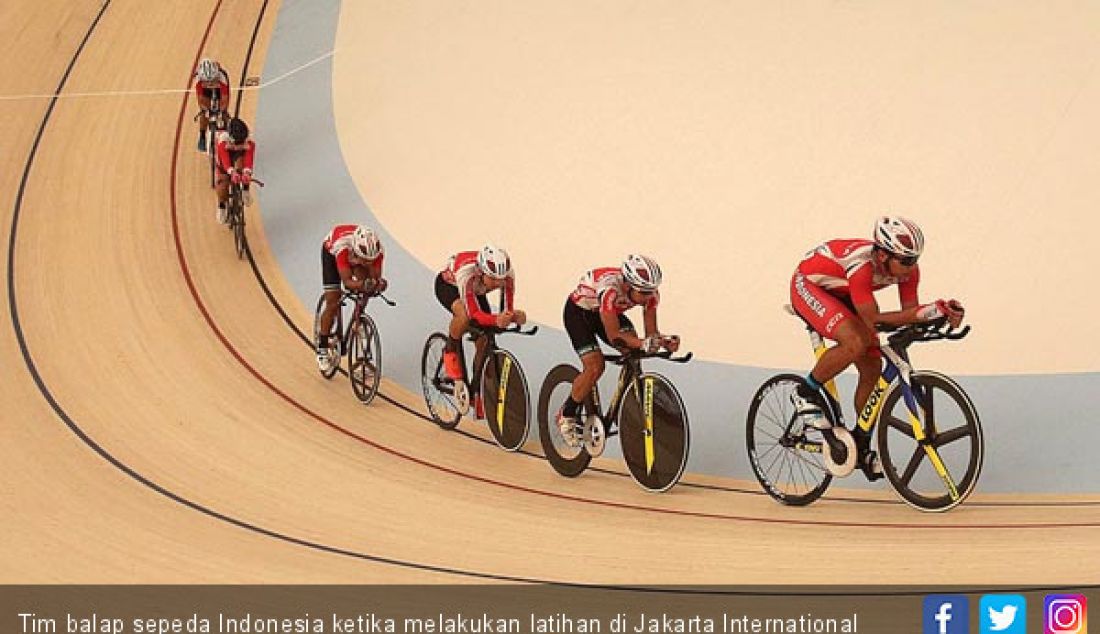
[900, 369]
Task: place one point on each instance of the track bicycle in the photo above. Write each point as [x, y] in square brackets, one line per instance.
[234, 214]
[646, 413]
[497, 375]
[359, 341]
[930, 444]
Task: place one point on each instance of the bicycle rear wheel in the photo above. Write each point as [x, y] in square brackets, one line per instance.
[439, 389]
[654, 432]
[329, 370]
[952, 429]
[506, 398]
[365, 359]
[789, 466]
[566, 459]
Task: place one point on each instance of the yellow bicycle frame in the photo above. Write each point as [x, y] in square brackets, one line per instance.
[501, 391]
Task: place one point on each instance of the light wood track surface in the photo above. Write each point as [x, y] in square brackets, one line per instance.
[241, 464]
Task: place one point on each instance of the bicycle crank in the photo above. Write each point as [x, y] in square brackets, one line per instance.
[595, 436]
[840, 451]
[462, 397]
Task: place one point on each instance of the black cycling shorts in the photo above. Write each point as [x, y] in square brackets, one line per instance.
[447, 294]
[330, 274]
[584, 326]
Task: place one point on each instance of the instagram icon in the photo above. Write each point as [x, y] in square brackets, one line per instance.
[1065, 614]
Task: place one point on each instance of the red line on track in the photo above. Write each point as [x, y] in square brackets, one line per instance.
[186, 270]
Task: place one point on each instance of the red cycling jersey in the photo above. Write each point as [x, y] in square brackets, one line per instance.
[843, 269]
[604, 289]
[462, 271]
[222, 86]
[338, 242]
[228, 152]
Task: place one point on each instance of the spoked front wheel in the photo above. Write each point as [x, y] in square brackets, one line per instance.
[332, 364]
[654, 432]
[506, 399]
[788, 464]
[568, 459]
[365, 359]
[439, 389]
[939, 472]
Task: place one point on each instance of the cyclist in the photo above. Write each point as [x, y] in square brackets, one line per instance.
[461, 288]
[833, 290]
[597, 309]
[351, 257]
[211, 86]
[236, 153]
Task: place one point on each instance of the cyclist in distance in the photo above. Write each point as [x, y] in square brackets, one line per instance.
[210, 80]
[236, 153]
[596, 309]
[461, 288]
[833, 291]
[351, 258]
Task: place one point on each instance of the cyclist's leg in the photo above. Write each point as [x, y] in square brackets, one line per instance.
[204, 105]
[246, 196]
[869, 365]
[832, 319]
[221, 190]
[583, 327]
[448, 297]
[330, 277]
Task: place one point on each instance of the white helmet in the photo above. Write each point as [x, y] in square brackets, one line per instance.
[494, 262]
[207, 70]
[899, 236]
[365, 243]
[641, 272]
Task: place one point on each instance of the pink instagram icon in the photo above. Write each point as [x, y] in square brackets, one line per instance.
[1065, 614]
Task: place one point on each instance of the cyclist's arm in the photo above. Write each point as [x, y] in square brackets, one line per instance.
[343, 266]
[610, 320]
[650, 319]
[223, 90]
[224, 163]
[249, 155]
[863, 298]
[473, 308]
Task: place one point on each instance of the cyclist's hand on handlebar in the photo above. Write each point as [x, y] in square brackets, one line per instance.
[519, 317]
[504, 319]
[380, 285]
[246, 176]
[651, 344]
[671, 342]
[951, 309]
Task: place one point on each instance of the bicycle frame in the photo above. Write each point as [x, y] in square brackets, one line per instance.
[896, 373]
[474, 380]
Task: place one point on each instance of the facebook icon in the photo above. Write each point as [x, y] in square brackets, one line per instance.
[946, 614]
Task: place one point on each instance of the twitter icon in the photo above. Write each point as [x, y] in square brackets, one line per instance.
[1003, 614]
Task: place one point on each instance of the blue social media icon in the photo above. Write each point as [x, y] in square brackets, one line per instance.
[1002, 614]
[946, 614]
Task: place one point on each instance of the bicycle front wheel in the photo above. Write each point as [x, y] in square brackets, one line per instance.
[569, 460]
[439, 389]
[365, 359]
[938, 473]
[236, 220]
[328, 370]
[788, 465]
[654, 432]
[506, 398]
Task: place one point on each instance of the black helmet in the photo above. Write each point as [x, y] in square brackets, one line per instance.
[238, 130]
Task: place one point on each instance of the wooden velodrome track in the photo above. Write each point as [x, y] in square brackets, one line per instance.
[162, 423]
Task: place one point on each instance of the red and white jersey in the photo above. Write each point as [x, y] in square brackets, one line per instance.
[463, 272]
[846, 268]
[338, 243]
[222, 86]
[229, 151]
[605, 290]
